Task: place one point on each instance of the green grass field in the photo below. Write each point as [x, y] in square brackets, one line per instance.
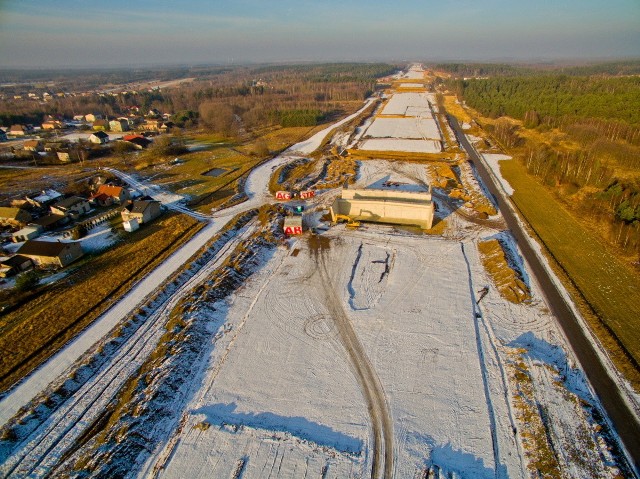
[610, 287]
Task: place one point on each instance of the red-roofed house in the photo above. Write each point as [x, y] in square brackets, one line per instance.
[109, 194]
[138, 141]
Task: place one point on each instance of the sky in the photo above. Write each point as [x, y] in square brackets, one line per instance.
[76, 33]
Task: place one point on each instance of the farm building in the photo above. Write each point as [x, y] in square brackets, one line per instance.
[33, 145]
[51, 253]
[386, 205]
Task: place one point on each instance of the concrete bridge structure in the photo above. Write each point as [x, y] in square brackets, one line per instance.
[393, 206]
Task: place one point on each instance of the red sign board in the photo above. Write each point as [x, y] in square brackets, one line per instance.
[283, 195]
[293, 230]
[307, 194]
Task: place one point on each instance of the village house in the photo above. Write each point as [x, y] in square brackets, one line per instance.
[99, 138]
[14, 265]
[49, 221]
[18, 130]
[28, 232]
[152, 125]
[64, 155]
[119, 125]
[56, 254]
[100, 125]
[143, 211]
[32, 145]
[73, 207]
[45, 198]
[91, 117]
[139, 141]
[106, 195]
[16, 217]
[52, 125]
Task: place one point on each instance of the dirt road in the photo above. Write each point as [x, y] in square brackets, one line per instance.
[622, 416]
[381, 421]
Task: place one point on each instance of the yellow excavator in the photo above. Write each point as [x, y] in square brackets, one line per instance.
[350, 222]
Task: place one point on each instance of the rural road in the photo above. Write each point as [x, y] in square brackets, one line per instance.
[620, 413]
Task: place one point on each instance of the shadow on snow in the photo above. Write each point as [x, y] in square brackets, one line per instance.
[300, 427]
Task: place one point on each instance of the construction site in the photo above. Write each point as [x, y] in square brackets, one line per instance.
[382, 323]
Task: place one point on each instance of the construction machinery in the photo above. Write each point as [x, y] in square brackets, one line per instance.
[351, 223]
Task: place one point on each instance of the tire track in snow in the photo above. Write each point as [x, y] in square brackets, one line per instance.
[499, 468]
[383, 458]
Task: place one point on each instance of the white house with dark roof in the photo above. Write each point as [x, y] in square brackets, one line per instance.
[99, 138]
[143, 211]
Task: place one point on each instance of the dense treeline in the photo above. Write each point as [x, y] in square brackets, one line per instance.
[467, 70]
[330, 72]
[594, 159]
[554, 96]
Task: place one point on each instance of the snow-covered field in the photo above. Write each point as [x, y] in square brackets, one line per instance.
[398, 144]
[414, 75]
[288, 375]
[409, 128]
[412, 129]
[401, 102]
[280, 396]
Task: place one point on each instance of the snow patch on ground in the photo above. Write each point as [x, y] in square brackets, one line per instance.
[493, 161]
[401, 102]
[393, 144]
[99, 239]
[412, 128]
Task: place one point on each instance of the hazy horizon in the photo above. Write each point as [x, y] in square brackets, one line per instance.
[74, 33]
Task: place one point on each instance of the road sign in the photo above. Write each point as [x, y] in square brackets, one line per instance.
[293, 230]
[283, 195]
[307, 194]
